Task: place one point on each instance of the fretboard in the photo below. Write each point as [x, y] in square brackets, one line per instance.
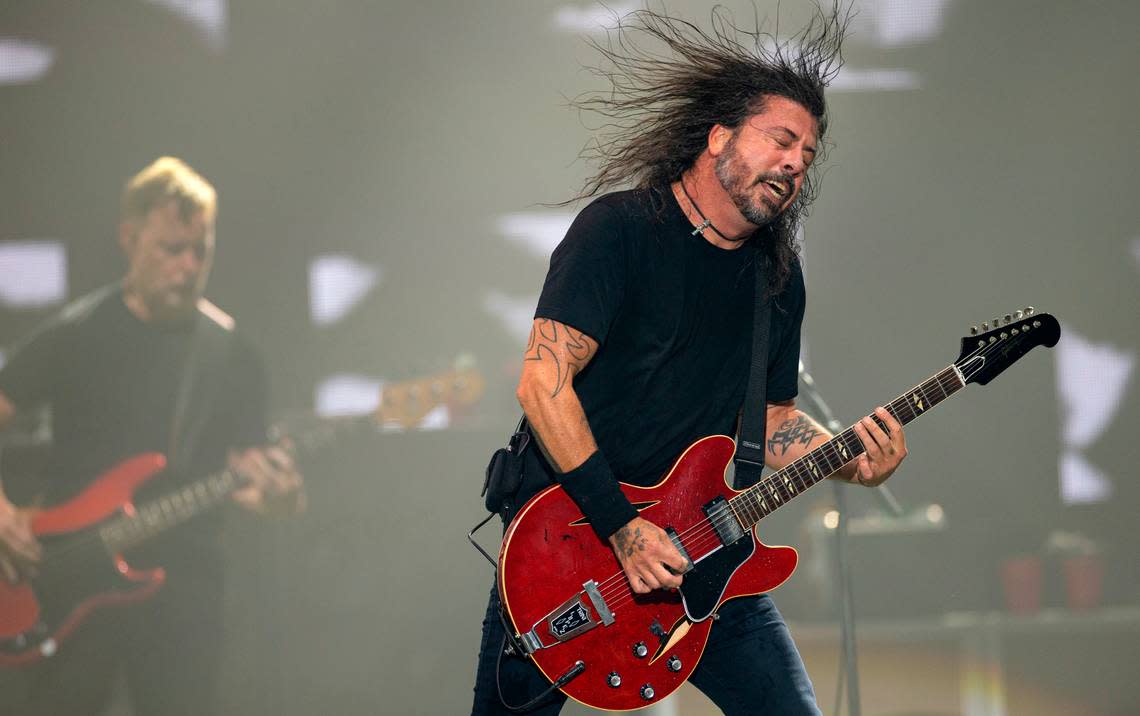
[201, 496]
[780, 487]
[169, 511]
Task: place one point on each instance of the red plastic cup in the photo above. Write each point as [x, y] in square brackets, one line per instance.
[1084, 581]
[1021, 582]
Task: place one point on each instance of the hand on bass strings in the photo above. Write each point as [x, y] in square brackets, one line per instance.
[19, 550]
[274, 484]
[648, 556]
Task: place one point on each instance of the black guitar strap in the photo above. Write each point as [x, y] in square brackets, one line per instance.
[750, 440]
[201, 376]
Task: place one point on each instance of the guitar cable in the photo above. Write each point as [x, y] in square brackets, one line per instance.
[578, 667]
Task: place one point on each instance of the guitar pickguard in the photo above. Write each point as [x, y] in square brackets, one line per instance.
[704, 585]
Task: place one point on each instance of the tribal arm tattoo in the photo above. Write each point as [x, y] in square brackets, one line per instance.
[797, 430]
[563, 349]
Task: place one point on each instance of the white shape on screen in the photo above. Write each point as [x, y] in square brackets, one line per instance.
[895, 23]
[338, 282]
[856, 79]
[539, 232]
[347, 394]
[207, 16]
[23, 61]
[593, 17]
[1082, 483]
[33, 273]
[437, 418]
[1091, 382]
[515, 314]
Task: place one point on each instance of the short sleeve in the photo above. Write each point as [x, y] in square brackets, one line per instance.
[35, 366]
[586, 282]
[784, 355]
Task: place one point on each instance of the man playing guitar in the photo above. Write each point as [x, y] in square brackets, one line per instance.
[146, 365]
[640, 343]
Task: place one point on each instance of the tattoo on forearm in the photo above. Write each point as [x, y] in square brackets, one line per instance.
[569, 350]
[793, 431]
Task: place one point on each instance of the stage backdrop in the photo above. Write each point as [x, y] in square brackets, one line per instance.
[387, 176]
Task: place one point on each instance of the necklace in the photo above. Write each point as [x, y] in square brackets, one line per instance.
[706, 222]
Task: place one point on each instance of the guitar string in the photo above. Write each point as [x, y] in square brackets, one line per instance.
[971, 370]
[701, 530]
[327, 430]
[138, 529]
[707, 537]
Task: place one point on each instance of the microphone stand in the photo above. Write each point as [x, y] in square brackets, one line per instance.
[843, 561]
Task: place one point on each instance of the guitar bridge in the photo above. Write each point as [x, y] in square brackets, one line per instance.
[569, 619]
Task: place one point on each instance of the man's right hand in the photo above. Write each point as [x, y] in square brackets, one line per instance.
[19, 550]
[648, 556]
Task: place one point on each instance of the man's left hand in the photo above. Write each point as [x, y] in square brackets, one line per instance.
[275, 486]
[883, 451]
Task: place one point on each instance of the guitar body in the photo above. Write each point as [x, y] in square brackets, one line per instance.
[550, 552]
[77, 574]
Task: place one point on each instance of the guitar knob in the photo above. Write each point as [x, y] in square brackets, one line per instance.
[1019, 315]
[985, 325]
[1008, 318]
[1029, 310]
[614, 679]
[647, 692]
[973, 330]
[640, 650]
[674, 664]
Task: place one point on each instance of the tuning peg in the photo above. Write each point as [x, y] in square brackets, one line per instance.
[985, 325]
[1008, 318]
[973, 330]
[1029, 310]
[997, 321]
[1018, 315]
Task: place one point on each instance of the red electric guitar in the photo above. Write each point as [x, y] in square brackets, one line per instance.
[569, 603]
[81, 569]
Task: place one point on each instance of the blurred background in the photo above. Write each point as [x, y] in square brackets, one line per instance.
[386, 173]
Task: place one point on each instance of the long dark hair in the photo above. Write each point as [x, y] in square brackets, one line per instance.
[671, 82]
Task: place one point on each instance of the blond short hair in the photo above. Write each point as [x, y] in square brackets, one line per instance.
[168, 179]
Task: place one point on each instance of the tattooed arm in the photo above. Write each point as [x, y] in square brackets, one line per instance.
[555, 353]
[792, 434]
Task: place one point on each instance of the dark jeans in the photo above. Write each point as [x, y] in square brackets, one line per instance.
[750, 666]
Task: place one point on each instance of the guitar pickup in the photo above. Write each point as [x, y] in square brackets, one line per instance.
[723, 520]
[570, 619]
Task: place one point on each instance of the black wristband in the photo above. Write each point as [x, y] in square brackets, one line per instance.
[595, 490]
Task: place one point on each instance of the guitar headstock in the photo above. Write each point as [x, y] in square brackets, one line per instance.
[406, 403]
[998, 343]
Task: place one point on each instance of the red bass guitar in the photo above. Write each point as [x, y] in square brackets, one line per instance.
[81, 569]
[569, 604]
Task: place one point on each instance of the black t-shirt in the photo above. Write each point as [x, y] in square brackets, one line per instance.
[111, 384]
[673, 316]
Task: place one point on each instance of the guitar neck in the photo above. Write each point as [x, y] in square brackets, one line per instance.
[170, 510]
[203, 495]
[780, 487]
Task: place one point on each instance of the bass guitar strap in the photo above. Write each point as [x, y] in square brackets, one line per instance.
[201, 376]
